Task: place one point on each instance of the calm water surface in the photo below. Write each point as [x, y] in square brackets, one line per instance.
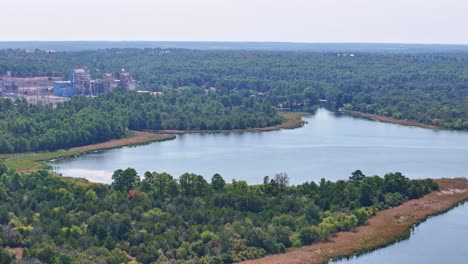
[441, 239]
[328, 146]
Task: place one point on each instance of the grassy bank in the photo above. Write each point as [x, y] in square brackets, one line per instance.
[387, 227]
[387, 119]
[34, 161]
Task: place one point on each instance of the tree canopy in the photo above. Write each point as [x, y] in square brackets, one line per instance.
[81, 121]
[184, 220]
[426, 87]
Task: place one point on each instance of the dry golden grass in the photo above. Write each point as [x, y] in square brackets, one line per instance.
[137, 137]
[387, 119]
[385, 228]
[30, 162]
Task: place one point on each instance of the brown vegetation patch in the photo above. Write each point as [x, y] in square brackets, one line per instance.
[136, 138]
[18, 253]
[386, 227]
[31, 162]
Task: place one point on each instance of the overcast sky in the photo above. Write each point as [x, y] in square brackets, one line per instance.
[401, 21]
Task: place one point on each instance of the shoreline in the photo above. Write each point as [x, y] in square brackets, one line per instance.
[136, 138]
[291, 120]
[29, 162]
[385, 228]
[387, 119]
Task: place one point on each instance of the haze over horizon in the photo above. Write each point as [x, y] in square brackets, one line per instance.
[302, 21]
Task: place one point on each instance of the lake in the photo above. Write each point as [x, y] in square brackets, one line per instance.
[329, 146]
[441, 239]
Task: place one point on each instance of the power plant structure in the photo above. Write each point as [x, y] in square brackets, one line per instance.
[82, 84]
[7, 85]
[126, 81]
[81, 81]
[46, 90]
[36, 90]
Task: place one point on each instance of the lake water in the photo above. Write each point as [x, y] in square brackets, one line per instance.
[441, 239]
[329, 146]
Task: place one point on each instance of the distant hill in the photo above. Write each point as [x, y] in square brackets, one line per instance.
[270, 46]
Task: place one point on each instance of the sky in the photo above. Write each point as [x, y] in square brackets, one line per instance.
[376, 21]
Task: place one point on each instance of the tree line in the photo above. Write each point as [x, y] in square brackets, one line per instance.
[425, 87]
[81, 121]
[188, 219]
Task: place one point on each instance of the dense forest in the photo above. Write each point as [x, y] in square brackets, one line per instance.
[82, 120]
[185, 220]
[431, 88]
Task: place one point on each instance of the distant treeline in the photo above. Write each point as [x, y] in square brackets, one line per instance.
[431, 88]
[185, 220]
[220, 45]
[82, 121]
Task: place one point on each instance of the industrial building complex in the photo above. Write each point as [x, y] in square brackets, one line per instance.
[81, 84]
[45, 90]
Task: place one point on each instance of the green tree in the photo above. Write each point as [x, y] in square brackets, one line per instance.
[193, 185]
[3, 168]
[308, 235]
[125, 180]
[326, 230]
[217, 183]
[357, 176]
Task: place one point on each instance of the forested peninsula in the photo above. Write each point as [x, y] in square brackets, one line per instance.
[82, 121]
[50, 219]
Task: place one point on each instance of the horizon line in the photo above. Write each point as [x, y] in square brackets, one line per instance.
[246, 41]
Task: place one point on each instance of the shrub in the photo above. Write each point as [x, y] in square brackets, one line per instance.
[308, 235]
